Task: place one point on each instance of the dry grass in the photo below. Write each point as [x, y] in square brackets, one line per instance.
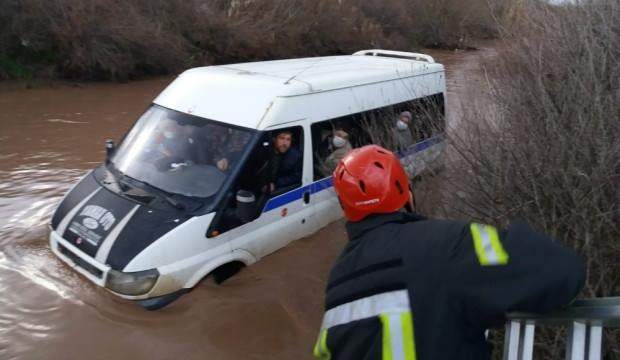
[547, 147]
[112, 39]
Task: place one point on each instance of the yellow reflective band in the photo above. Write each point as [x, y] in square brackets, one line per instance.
[398, 341]
[406, 321]
[487, 245]
[386, 339]
[320, 348]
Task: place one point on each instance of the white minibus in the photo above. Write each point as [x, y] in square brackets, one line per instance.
[232, 162]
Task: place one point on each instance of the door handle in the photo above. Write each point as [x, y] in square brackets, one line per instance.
[306, 197]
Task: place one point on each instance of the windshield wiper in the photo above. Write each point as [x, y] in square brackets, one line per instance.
[172, 202]
[166, 196]
[122, 185]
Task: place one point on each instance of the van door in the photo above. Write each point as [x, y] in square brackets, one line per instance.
[282, 204]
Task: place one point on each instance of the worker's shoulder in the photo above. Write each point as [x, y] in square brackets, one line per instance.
[437, 227]
[423, 235]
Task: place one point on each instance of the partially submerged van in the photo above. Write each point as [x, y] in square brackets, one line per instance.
[190, 190]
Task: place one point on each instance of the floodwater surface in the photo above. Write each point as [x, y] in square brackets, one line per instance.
[49, 138]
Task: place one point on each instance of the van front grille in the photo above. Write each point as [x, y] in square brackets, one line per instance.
[80, 262]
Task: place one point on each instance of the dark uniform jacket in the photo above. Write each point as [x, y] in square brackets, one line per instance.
[289, 169]
[283, 170]
[409, 288]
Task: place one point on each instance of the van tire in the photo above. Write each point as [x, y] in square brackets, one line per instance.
[226, 271]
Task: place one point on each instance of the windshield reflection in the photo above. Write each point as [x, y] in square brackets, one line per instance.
[179, 153]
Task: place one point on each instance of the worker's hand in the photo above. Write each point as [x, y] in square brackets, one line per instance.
[222, 164]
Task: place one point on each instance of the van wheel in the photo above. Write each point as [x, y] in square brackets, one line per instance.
[226, 271]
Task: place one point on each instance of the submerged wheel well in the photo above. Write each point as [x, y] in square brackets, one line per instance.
[226, 271]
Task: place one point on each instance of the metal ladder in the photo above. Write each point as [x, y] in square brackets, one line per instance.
[585, 320]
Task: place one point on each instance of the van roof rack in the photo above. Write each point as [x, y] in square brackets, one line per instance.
[396, 54]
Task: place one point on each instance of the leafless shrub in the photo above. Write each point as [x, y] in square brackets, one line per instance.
[286, 28]
[451, 23]
[547, 147]
[428, 123]
[109, 39]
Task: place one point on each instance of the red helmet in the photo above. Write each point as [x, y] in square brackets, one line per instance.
[370, 180]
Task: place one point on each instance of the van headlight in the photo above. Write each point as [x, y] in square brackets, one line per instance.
[131, 283]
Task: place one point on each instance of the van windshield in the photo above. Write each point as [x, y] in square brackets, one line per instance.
[179, 153]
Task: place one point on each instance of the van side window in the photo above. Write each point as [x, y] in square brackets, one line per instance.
[274, 166]
[396, 127]
[428, 116]
[400, 126]
[332, 140]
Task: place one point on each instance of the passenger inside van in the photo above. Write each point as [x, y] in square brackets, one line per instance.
[227, 156]
[339, 146]
[273, 167]
[172, 146]
[283, 168]
[402, 133]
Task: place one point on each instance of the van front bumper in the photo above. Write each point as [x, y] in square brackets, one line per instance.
[93, 270]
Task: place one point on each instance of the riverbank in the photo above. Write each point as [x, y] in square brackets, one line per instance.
[120, 41]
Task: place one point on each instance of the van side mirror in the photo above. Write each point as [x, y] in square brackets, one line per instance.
[109, 149]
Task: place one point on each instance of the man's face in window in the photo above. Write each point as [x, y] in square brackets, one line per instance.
[283, 142]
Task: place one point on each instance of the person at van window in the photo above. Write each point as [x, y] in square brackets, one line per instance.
[340, 146]
[233, 151]
[426, 289]
[214, 141]
[284, 166]
[173, 147]
[402, 133]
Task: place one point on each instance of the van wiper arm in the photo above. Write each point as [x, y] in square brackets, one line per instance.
[167, 197]
[172, 202]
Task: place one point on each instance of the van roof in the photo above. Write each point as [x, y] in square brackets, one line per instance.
[309, 75]
[254, 86]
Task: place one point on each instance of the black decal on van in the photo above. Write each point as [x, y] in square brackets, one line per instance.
[84, 188]
[95, 220]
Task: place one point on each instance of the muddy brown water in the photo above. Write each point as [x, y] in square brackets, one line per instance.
[49, 138]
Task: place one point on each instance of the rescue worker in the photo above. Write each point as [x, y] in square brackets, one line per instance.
[406, 287]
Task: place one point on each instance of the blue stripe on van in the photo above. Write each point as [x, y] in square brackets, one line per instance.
[422, 145]
[285, 198]
[297, 194]
[321, 185]
[326, 183]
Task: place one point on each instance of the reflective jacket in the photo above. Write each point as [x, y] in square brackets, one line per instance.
[410, 288]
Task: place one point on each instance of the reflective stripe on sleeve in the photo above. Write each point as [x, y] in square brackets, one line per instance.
[406, 320]
[320, 348]
[388, 302]
[489, 249]
[393, 310]
[386, 337]
[397, 337]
